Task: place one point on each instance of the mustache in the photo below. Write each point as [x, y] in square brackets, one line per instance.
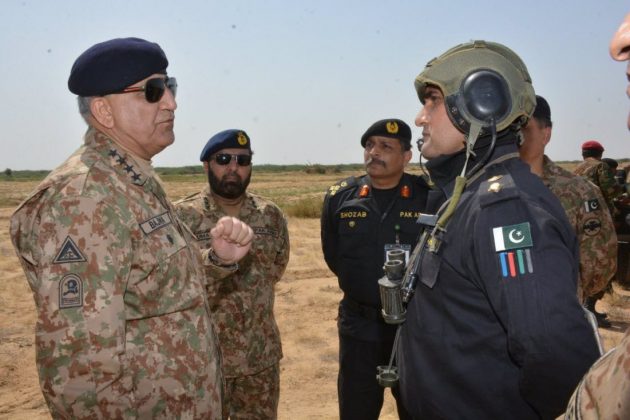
[375, 162]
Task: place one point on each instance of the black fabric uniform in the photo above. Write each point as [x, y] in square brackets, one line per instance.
[486, 338]
[355, 230]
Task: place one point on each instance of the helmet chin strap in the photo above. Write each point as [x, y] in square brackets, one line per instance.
[473, 135]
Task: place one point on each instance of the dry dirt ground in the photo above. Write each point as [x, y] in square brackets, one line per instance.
[306, 306]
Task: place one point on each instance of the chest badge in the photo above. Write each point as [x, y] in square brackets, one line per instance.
[364, 191]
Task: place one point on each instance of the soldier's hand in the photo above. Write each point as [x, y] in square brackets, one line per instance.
[231, 239]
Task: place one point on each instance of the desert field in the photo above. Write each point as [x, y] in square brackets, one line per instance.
[306, 306]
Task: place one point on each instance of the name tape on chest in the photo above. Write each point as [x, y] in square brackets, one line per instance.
[155, 223]
[263, 230]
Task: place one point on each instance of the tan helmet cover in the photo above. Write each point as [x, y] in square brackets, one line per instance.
[451, 69]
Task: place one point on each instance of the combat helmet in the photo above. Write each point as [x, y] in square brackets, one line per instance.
[484, 84]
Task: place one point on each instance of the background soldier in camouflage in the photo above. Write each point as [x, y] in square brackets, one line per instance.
[600, 174]
[242, 304]
[583, 204]
[123, 326]
[604, 393]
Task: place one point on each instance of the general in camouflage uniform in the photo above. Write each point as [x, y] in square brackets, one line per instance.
[582, 202]
[242, 304]
[123, 327]
[604, 392]
[600, 174]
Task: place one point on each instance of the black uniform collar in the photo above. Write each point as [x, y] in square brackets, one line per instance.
[405, 187]
[444, 169]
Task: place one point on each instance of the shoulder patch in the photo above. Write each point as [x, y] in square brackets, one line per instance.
[70, 291]
[69, 253]
[592, 205]
[592, 226]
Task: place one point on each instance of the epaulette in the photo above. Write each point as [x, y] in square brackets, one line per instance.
[342, 185]
[498, 186]
[191, 197]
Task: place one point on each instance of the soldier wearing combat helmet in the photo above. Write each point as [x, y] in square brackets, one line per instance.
[493, 327]
[123, 329]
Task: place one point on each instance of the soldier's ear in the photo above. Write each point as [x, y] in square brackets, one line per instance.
[206, 167]
[101, 109]
[407, 156]
[547, 136]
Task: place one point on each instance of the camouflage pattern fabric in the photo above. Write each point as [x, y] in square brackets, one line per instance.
[123, 328]
[242, 304]
[602, 176]
[604, 392]
[253, 396]
[584, 205]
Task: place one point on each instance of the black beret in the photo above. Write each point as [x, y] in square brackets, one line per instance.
[391, 127]
[542, 110]
[113, 65]
[228, 139]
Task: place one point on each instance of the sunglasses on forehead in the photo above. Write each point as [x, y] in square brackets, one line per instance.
[225, 159]
[154, 88]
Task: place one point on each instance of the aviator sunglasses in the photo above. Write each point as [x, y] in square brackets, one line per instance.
[225, 159]
[154, 88]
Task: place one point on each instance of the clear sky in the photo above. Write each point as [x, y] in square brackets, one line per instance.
[303, 78]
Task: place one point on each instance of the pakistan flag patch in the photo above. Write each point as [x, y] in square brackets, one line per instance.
[512, 237]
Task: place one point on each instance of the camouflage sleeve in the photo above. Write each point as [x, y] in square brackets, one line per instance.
[282, 254]
[608, 186]
[598, 244]
[604, 390]
[77, 259]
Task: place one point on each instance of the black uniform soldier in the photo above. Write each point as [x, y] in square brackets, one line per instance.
[362, 218]
[494, 329]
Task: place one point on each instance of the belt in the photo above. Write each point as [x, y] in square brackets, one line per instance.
[368, 312]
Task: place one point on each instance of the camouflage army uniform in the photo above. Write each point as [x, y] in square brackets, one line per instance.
[582, 201]
[123, 327]
[604, 392]
[600, 174]
[242, 304]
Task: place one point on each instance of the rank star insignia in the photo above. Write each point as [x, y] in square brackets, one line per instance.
[113, 153]
[128, 168]
[392, 127]
[495, 187]
[122, 160]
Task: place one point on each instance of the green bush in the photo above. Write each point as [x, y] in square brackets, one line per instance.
[305, 208]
